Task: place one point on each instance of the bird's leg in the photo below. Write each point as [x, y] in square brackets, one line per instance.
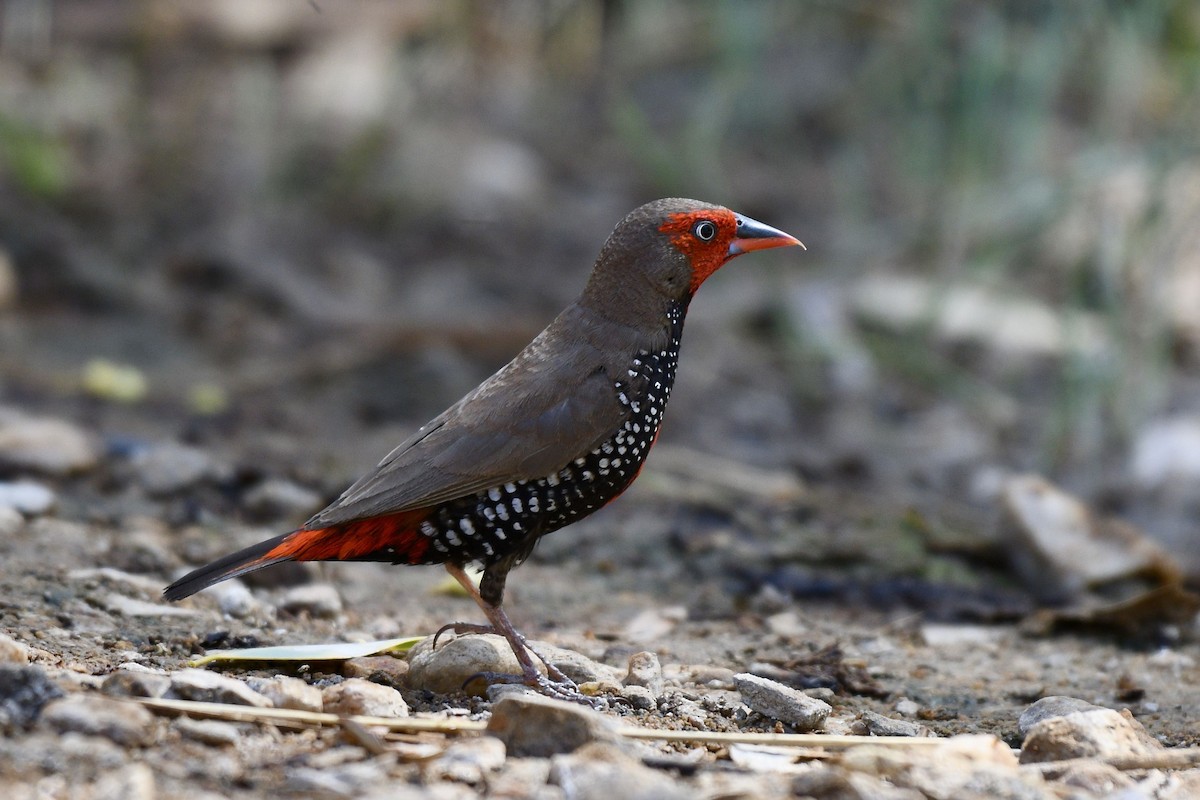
[557, 684]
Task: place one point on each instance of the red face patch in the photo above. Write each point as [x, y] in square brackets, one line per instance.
[689, 232]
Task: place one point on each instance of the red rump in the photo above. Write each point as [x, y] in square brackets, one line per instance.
[359, 539]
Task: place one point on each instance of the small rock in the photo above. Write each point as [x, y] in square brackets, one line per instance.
[358, 696]
[210, 687]
[1050, 707]
[937, 634]
[11, 521]
[169, 467]
[676, 704]
[130, 782]
[51, 446]
[276, 497]
[468, 760]
[136, 683]
[1061, 548]
[777, 701]
[28, 497]
[654, 623]
[132, 607]
[234, 599]
[125, 723]
[24, 690]
[12, 651]
[353, 780]
[1168, 452]
[602, 771]
[455, 661]
[576, 666]
[834, 783]
[974, 766]
[712, 677]
[639, 697]
[873, 724]
[287, 692]
[645, 670]
[318, 600]
[388, 670]
[1095, 778]
[208, 731]
[1099, 733]
[536, 726]
[907, 708]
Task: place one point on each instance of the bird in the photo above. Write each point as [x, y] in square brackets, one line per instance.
[550, 438]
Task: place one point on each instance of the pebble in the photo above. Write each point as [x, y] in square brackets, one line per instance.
[169, 467]
[468, 760]
[208, 731]
[43, 444]
[318, 600]
[24, 690]
[28, 497]
[11, 521]
[1060, 547]
[776, 701]
[12, 651]
[277, 497]
[871, 724]
[639, 697]
[211, 687]
[130, 782]
[234, 599]
[455, 661]
[136, 683]
[125, 723]
[907, 708]
[1100, 732]
[287, 692]
[646, 671]
[352, 781]
[602, 771]
[1167, 452]
[577, 666]
[969, 767]
[1050, 707]
[132, 607]
[387, 670]
[358, 696]
[531, 725]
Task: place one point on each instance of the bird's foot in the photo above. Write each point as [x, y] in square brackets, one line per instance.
[459, 628]
[564, 689]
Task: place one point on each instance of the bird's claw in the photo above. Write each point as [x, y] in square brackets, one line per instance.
[564, 689]
[459, 628]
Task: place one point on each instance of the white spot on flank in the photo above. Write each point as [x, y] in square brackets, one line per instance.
[508, 487]
[465, 525]
[494, 494]
[516, 504]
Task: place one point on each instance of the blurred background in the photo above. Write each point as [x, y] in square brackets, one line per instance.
[286, 233]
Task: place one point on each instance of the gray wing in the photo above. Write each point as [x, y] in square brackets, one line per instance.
[521, 424]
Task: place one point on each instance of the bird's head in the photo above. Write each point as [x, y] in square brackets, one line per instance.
[674, 245]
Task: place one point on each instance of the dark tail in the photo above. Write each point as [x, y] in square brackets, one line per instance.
[256, 556]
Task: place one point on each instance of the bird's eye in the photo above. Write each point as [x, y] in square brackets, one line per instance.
[705, 231]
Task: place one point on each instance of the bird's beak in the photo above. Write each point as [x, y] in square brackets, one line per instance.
[753, 235]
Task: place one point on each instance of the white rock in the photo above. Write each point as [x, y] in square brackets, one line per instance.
[47, 445]
[776, 701]
[1167, 451]
[1060, 547]
[210, 687]
[12, 651]
[1098, 733]
[320, 600]
[456, 660]
[276, 496]
[602, 771]
[208, 731]
[531, 725]
[28, 497]
[234, 599]
[646, 671]
[171, 467]
[468, 760]
[95, 715]
[359, 696]
[288, 692]
[11, 521]
[131, 607]
[130, 782]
